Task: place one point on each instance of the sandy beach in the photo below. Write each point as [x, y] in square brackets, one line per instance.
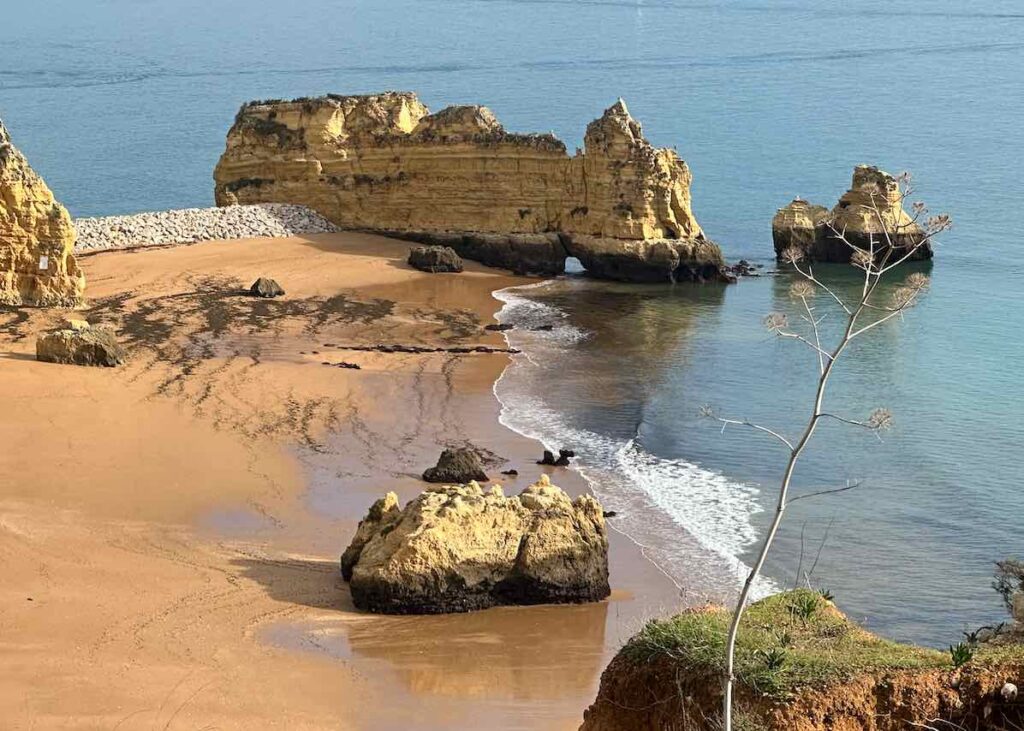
[170, 529]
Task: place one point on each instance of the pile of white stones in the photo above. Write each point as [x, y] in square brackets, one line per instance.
[189, 225]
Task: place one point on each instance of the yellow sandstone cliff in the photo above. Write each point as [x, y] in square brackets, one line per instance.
[383, 163]
[37, 266]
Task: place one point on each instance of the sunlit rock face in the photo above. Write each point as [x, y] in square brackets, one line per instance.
[869, 216]
[457, 178]
[37, 266]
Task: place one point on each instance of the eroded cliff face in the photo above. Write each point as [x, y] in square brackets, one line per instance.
[36, 237]
[383, 163]
[802, 665]
[869, 216]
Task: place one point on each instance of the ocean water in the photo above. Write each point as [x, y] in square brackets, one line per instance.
[123, 105]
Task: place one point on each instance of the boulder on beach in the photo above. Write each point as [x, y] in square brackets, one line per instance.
[265, 287]
[80, 344]
[461, 548]
[435, 259]
[457, 465]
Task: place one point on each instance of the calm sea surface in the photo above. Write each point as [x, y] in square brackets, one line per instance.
[123, 105]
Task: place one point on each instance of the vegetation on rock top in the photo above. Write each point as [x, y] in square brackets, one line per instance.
[787, 642]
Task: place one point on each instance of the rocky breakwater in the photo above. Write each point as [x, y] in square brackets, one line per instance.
[869, 216]
[37, 266]
[460, 548]
[189, 225]
[801, 665]
[457, 178]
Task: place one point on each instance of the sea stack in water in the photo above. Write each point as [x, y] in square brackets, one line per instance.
[37, 266]
[457, 178]
[460, 548]
[869, 215]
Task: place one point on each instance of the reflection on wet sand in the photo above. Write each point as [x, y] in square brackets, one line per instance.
[520, 653]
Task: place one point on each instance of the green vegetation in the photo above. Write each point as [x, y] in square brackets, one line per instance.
[961, 653]
[786, 642]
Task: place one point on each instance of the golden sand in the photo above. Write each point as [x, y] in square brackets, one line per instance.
[169, 530]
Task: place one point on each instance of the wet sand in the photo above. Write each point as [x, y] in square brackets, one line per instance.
[170, 529]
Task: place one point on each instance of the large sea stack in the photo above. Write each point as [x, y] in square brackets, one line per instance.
[457, 178]
[37, 266]
[459, 548]
[869, 216]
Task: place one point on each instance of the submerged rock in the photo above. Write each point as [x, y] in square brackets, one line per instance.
[460, 548]
[80, 344]
[869, 215]
[435, 259]
[457, 465]
[264, 287]
[37, 266]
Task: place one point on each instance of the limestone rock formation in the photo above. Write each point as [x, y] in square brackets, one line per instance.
[456, 549]
[657, 260]
[80, 344]
[457, 178]
[457, 465]
[37, 266]
[380, 511]
[870, 211]
[435, 259]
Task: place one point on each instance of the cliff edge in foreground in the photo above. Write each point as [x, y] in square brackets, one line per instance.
[801, 666]
[384, 163]
[36, 237]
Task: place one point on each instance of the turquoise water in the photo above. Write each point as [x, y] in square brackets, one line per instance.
[123, 105]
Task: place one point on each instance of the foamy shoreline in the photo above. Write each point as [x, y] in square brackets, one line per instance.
[680, 515]
[191, 225]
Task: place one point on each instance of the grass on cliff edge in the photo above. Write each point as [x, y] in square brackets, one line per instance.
[789, 641]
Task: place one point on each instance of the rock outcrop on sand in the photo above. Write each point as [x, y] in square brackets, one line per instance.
[801, 666]
[460, 548]
[869, 215]
[457, 465]
[435, 259]
[37, 266]
[81, 344]
[266, 287]
[457, 178]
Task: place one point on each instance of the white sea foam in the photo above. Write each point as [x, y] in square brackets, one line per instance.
[692, 522]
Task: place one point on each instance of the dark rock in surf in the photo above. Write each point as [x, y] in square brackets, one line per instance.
[564, 455]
